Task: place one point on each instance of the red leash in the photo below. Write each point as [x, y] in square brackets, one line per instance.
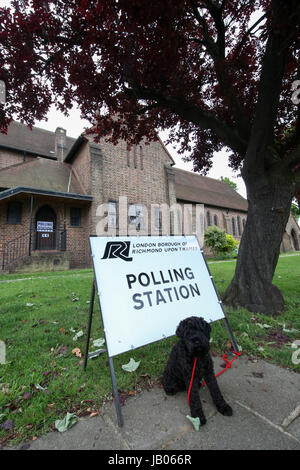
[228, 366]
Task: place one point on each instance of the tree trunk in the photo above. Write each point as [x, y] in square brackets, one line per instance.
[269, 202]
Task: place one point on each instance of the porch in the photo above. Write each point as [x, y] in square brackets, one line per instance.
[42, 230]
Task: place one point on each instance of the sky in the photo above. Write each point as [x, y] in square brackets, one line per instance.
[74, 126]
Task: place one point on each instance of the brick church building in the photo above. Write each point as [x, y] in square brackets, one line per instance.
[56, 191]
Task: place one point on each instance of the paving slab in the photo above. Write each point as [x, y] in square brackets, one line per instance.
[269, 390]
[262, 396]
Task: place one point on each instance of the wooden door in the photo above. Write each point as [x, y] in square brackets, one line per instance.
[45, 225]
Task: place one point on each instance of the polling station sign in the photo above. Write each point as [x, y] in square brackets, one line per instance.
[147, 285]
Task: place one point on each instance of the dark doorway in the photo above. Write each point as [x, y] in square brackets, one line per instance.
[45, 226]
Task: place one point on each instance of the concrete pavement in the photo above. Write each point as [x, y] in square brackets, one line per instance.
[263, 398]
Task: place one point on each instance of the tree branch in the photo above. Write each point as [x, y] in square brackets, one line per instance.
[191, 113]
[262, 135]
[244, 38]
[217, 53]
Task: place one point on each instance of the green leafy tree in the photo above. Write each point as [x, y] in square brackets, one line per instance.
[228, 181]
[295, 210]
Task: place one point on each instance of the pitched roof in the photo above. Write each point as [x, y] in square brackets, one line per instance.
[41, 173]
[35, 141]
[193, 187]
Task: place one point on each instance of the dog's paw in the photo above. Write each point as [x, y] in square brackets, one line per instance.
[170, 392]
[203, 421]
[200, 415]
[226, 410]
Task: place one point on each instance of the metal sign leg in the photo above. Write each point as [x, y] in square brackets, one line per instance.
[232, 338]
[115, 390]
[90, 323]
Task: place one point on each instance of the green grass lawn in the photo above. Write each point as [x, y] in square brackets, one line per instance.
[43, 378]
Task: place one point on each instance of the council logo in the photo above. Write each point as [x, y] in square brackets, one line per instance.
[117, 250]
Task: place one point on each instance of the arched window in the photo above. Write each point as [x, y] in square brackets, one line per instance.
[208, 220]
[233, 227]
[239, 225]
[141, 157]
[216, 220]
[127, 156]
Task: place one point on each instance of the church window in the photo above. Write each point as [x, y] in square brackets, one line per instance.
[136, 216]
[208, 220]
[112, 214]
[233, 227]
[239, 225]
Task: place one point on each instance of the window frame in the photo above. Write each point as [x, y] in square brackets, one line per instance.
[73, 217]
[14, 216]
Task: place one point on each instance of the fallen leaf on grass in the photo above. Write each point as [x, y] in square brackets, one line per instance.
[131, 366]
[97, 343]
[2, 352]
[78, 335]
[66, 423]
[4, 388]
[77, 352]
[7, 425]
[195, 422]
[292, 330]
[39, 387]
[265, 325]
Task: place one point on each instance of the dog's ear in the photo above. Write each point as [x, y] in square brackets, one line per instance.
[180, 329]
[206, 327]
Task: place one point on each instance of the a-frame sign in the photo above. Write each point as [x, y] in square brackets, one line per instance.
[146, 285]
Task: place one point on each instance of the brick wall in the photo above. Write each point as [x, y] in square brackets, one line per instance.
[224, 220]
[138, 174]
[81, 164]
[11, 157]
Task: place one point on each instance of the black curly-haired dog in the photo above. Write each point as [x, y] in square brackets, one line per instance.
[193, 333]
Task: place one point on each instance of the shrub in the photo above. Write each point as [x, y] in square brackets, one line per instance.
[219, 242]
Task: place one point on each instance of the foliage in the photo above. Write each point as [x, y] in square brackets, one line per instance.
[229, 182]
[220, 242]
[189, 66]
[231, 243]
[295, 210]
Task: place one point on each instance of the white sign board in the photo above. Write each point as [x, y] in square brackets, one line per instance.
[42, 226]
[147, 285]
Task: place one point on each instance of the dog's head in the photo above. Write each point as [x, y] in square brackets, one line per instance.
[195, 333]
